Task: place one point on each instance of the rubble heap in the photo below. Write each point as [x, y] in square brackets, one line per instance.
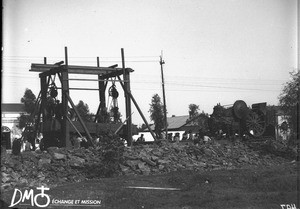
[173, 156]
[59, 165]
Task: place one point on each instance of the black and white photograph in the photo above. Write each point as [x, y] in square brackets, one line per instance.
[150, 104]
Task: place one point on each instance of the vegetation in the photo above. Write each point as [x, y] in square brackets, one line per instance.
[28, 100]
[200, 119]
[289, 100]
[110, 149]
[193, 110]
[84, 111]
[113, 148]
[157, 114]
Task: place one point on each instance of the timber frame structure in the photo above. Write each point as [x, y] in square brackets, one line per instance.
[104, 75]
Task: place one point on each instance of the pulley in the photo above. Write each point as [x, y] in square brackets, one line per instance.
[113, 92]
[53, 91]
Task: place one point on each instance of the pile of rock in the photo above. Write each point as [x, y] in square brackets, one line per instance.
[52, 167]
[59, 165]
[152, 159]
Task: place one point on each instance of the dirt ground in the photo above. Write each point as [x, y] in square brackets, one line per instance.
[267, 187]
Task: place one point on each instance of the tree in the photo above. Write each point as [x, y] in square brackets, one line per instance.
[84, 111]
[157, 114]
[28, 100]
[193, 110]
[142, 127]
[203, 122]
[198, 119]
[289, 100]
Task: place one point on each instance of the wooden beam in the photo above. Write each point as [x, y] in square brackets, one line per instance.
[138, 108]
[65, 128]
[115, 73]
[75, 69]
[89, 137]
[126, 76]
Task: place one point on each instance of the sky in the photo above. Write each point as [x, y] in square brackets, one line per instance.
[215, 51]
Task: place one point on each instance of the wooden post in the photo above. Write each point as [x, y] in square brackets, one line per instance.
[164, 95]
[139, 110]
[43, 80]
[65, 91]
[126, 78]
[80, 119]
[102, 88]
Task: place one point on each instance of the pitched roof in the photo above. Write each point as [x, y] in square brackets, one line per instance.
[12, 107]
[177, 121]
[174, 122]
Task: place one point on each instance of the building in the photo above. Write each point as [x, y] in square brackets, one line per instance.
[10, 112]
[180, 124]
[176, 124]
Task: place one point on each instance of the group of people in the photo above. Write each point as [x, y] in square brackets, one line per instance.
[140, 140]
[22, 145]
[189, 136]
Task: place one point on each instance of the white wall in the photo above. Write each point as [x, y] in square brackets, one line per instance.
[148, 137]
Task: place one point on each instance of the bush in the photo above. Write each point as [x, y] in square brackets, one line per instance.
[112, 150]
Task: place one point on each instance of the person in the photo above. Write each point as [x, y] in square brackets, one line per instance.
[163, 136]
[206, 139]
[176, 137]
[196, 139]
[184, 136]
[141, 139]
[170, 137]
[191, 137]
[77, 142]
[84, 143]
[16, 146]
[27, 146]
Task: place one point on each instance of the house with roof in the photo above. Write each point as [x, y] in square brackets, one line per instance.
[10, 112]
[176, 124]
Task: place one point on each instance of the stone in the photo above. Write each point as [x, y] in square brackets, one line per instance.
[141, 165]
[125, 169]
[144, 169]
[148, 161]
[130, 157]
[52, 149]
[33, 183]
[43, 161]
[133, 164]
[208, 152]
[58, 156]
[76, 161]
[5, 177]
[157, 152]
[161, 167]
[243, 159]
[143, 154]
[154, 158]
[163, 161]
[15, 176]
[23, 181]
[5, 186]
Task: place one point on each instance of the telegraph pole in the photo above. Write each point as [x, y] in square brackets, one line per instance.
[162, 62]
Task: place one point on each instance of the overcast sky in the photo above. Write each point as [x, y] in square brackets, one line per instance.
[215, 51]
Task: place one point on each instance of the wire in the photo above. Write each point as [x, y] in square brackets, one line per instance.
[29, 57]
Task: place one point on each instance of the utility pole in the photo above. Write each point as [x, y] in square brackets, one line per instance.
[161, 62]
